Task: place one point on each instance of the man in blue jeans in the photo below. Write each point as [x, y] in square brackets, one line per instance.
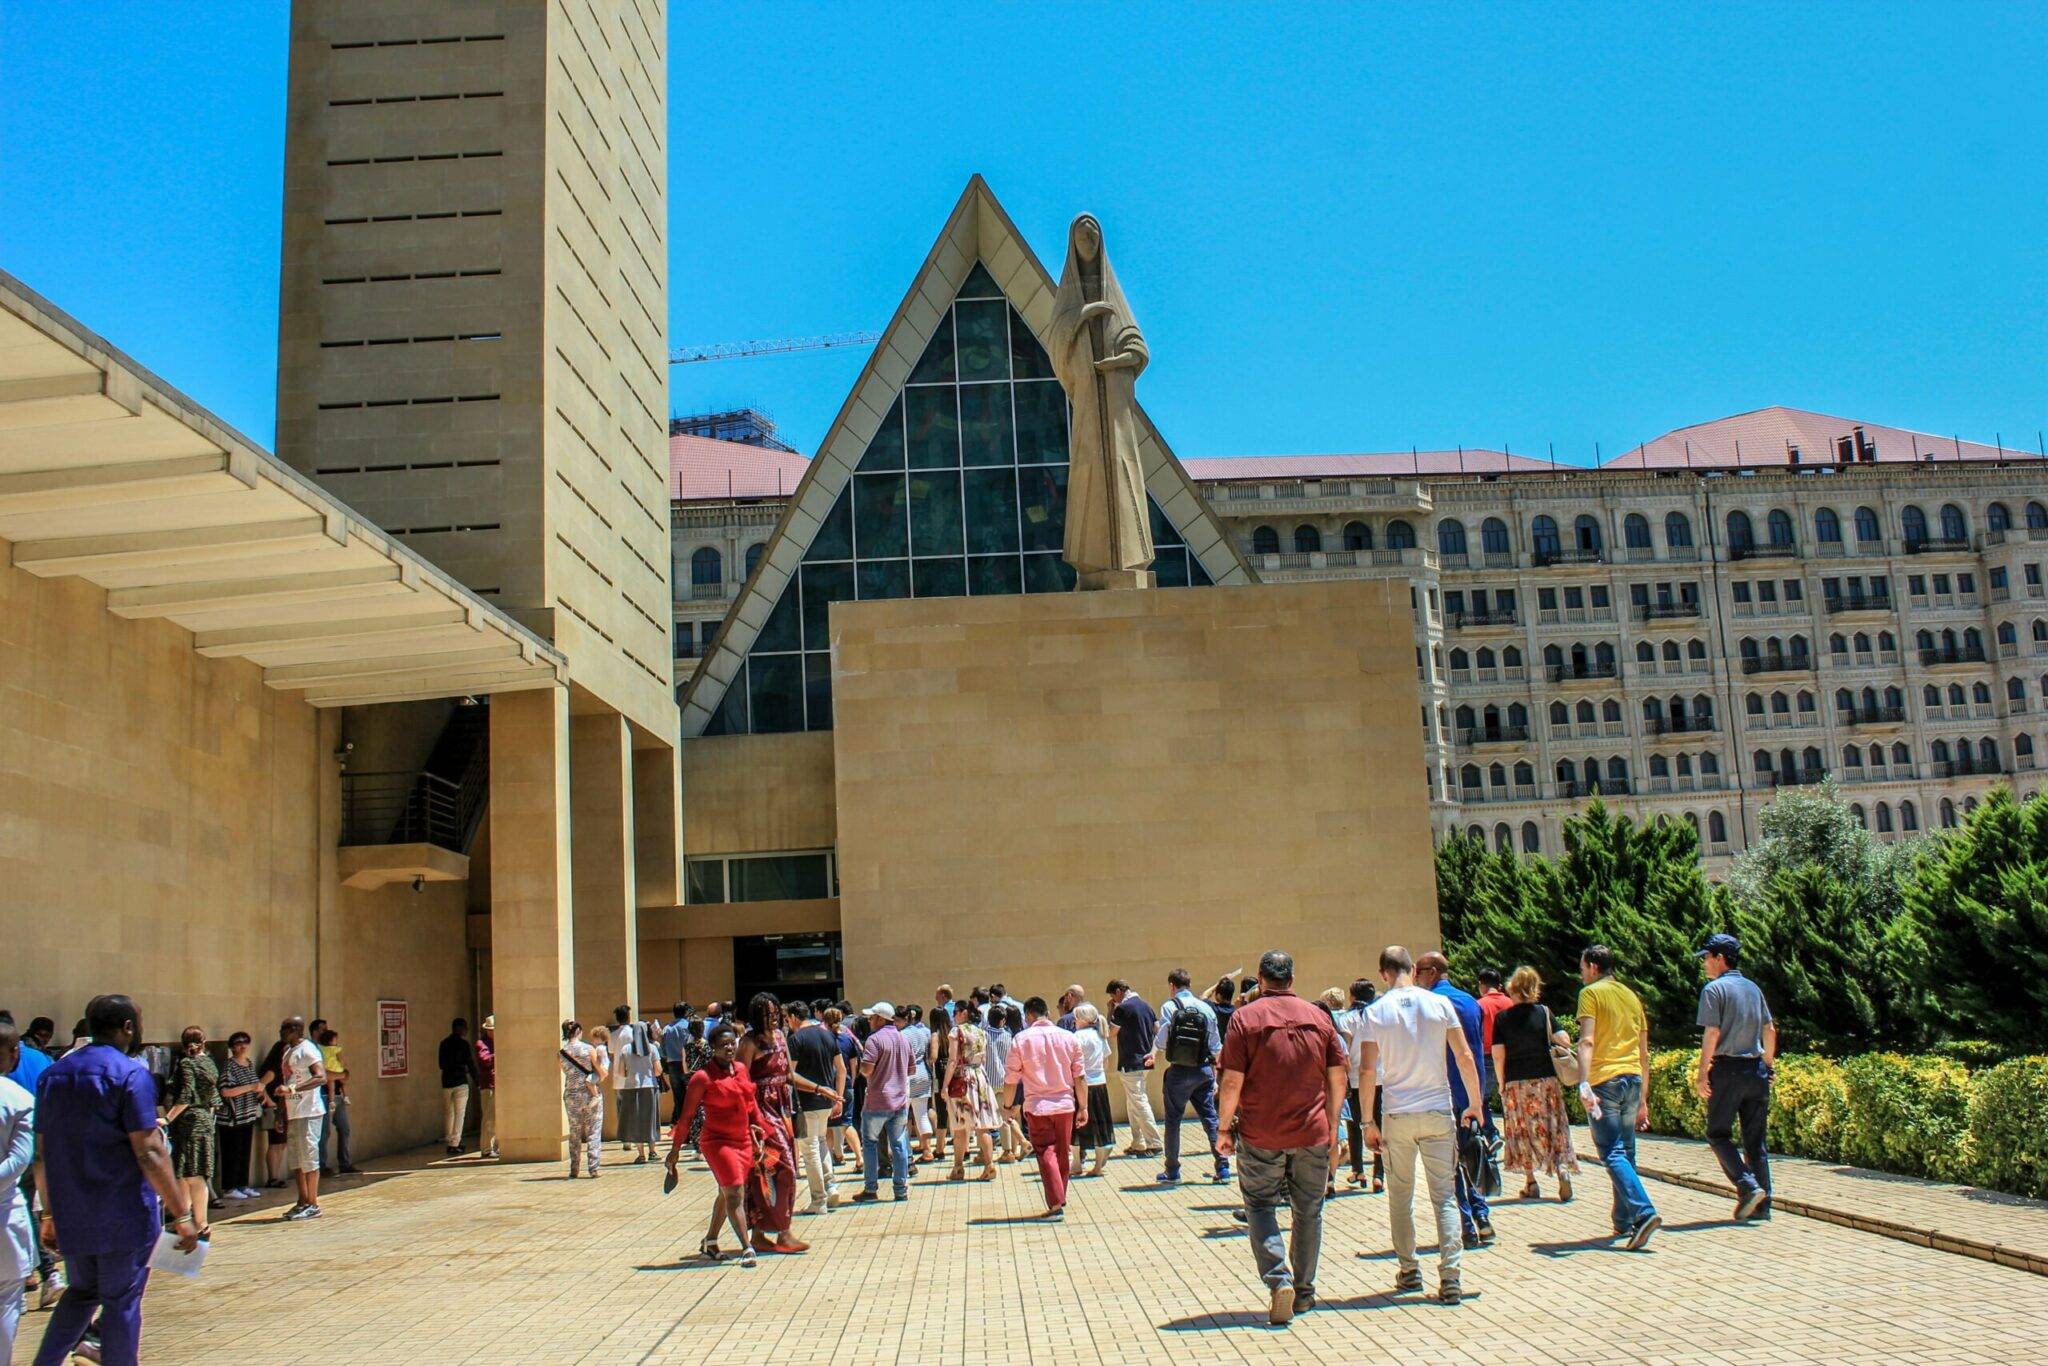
[1736, 1056]
[1433, 974]
[886, 1064]
[1189, 1038]
[1614, 1064]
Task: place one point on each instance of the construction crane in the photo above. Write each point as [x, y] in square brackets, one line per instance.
[773, 346]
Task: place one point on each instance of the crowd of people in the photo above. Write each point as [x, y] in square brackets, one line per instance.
[1383, 1076]
[107, 1145]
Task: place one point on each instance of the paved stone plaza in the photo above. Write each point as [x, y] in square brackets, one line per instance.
[458, 1262]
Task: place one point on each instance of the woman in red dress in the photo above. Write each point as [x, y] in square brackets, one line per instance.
[771, 1194]
[732, 1120]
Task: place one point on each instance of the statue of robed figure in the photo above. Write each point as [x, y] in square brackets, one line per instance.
[1097, 352]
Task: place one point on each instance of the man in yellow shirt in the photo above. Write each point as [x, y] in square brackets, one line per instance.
[1614, 1067]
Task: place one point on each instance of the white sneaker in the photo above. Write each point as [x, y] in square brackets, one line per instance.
[52, 1290]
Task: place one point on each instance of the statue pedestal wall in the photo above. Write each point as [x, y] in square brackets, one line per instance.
[1071, 787]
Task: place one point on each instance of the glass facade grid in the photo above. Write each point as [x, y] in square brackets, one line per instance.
[961, 492]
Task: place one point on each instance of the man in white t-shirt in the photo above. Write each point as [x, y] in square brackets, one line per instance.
[1400, 1040]
[305, 1085]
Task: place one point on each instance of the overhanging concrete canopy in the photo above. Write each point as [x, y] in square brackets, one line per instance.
[108, 474]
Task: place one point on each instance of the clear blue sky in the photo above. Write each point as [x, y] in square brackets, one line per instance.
[1342, 227]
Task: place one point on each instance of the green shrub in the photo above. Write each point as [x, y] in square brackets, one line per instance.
[1809, 1108]
[1675, 1108]
[1971, 1053]
[2009, 1126]
[1908, 1115]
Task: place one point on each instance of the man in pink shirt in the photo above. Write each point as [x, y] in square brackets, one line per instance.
[1048, 1062]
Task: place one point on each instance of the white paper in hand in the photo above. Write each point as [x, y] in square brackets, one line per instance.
[167, 1257]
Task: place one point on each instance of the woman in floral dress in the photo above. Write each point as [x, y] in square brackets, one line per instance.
[582, 1099]
[771, 1191]
[1537, 1134]
[970, 1100]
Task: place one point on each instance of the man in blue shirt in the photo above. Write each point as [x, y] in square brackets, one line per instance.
[675, 1042]
[1433, 973]
[1190, 1070]
[102, 1165]
[1736, 1055]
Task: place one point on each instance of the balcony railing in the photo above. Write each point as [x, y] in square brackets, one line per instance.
[1492, 735]
[700, 592]
[1872, 716]
[1580, 673]
[1567, 555]
[1771, 550]
[1777, 664]
[1959, 654]
[1935, 545]
[1679, 725]
[405, 808]
[1520, 792]
[1858, 602]
[1965, 768]
[2016, 533]
[1667, 611]
[1497, 616]
[1602, 787]
[1796, 777]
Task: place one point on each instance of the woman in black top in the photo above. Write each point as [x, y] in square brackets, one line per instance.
[1538, 1135]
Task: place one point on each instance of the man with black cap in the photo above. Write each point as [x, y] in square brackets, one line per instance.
[1282, 1086]
[1736, 1057]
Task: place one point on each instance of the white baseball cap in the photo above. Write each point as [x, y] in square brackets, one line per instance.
[881, 1008]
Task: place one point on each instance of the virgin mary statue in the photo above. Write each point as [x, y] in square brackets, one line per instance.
[1097, 352]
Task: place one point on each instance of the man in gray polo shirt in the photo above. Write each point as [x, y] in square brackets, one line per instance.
[1736, 1056]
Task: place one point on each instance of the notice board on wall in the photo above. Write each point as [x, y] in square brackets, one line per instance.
[391, 1039]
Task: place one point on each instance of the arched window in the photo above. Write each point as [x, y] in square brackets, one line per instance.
[1948, 814]
[1779, 527]
[1909, 816]
[1710, 764]
[1265, 541]
[1603, 655]
[1671, 654]
[1497, 776]
[1827, 527]
[1567, 772]
[1981, 693]
[1703, 709]
[1553, 657]
[1617, 772]
[1660, 767]
[1560, 715]
[1357, 536]
[1837, 645]
[1485, 658]
[1867, 528]
[1696, 651]
[1717, 828]
[1856, 810]
[1610, 711]
[1525, 774]
[1646, 653]
[754, 556]
[2037, 517]
[1913, 525]
[1478, 834]
[1450, 536]
[1741, 535]
[1468, 778]
[1886, 641]
[1503, 839]
[2016, 691]
[1987, 753]
[1781, 704]
[1543, 534]
[1518, 715]
[1532, 838]
[1852, 757]
[1307, 539]
[1493, 536]
[1809, 759]
[1400, 535]
[1460, 661]
[1465, 717]
[1511, 657]
[1635, 531]
[2007, 635]
[1586, 713]
[2040, 631]
[1586, 533]
[1954, 526]
[1677, 530]
[1973, 640]
[2023, 746]
[707, 566]
[1923, 639]
[1998, 517]
[1938, 751]
[1753, 704]
[1761, 761]
[1808, 704]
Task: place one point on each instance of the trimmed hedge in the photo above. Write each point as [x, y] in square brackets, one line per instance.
[1914, 1115]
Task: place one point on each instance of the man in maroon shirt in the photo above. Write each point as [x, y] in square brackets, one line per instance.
[1282, 1088]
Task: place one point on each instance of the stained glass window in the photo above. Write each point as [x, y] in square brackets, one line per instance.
[961, 491]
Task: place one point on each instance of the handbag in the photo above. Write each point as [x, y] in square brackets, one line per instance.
[1564, 1059]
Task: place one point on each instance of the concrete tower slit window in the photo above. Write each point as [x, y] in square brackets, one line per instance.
[960, 492]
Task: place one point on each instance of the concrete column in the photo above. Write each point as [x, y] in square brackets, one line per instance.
[658, 824]
[607, 904]
[533, 962]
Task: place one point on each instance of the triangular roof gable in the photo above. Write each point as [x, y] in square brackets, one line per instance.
[977, 229]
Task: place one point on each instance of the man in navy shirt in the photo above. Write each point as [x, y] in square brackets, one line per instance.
[675, 1043]
[1433, 973]
[102, 1166]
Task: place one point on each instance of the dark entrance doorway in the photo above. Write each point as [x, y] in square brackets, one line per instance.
[793, 966]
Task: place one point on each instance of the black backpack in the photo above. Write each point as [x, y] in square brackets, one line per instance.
[1187, 1038]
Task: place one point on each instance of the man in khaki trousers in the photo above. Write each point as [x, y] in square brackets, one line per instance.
[1132, 1026]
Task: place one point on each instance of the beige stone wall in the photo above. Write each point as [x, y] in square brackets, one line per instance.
[1073, 787]
[160, 835]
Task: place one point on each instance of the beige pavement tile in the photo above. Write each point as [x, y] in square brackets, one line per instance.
[480, 1263]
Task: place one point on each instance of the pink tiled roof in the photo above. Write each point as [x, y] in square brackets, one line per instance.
[701, 468]
[1764, 438]
[1377, 464]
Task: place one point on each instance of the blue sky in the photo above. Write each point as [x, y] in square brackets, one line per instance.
[1342, 228]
